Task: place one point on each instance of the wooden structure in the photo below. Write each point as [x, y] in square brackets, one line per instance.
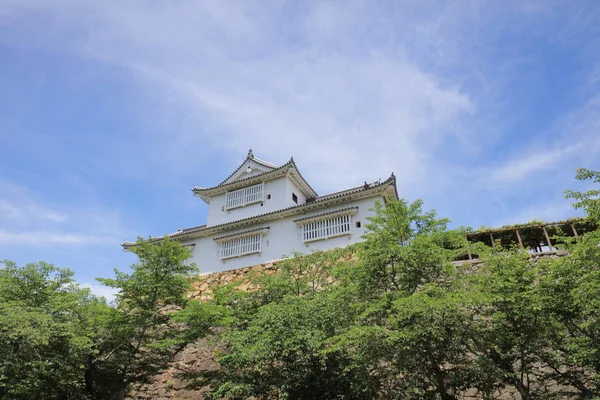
[532, 237]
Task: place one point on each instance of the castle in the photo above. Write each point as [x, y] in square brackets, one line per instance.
[262, 212]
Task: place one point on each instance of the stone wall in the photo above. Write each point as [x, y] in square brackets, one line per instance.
[202, 284]
[173, 382]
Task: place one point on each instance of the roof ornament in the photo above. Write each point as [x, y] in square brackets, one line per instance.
[250, 153]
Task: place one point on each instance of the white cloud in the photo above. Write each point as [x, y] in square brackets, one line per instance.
[100, 290]
[17, 205]
[48, 238]
[307, 89]
[523, 166]
[572, 141]
[25, 222]
[352, 91]
[28, 212]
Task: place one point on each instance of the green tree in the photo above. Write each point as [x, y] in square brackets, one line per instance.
[276, 339]
[410, 318]
[511, 329]
[405, 247]
[60, 342]
[48, 333]
[589, 200]
[329, 325]
[570, 287]
[142, 336]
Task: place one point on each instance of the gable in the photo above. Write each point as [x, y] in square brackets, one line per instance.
[253, 171]
[249, 168]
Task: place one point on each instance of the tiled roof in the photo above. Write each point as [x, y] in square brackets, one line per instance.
[262, 228]
[391, 181]
[326, 213]
[222, 184]
[301, 177]
[265, 163]
[289, 164]
[250, 156]
[192, 228]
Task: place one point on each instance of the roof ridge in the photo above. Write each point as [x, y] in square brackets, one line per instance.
[302, 177]
[250, 156]
[240, 180]
[263, 162]
[370, 185]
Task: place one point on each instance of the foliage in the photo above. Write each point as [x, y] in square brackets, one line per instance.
[47, 332]
[391, 318]
[588, 200]
[60, 342]
[405, 248]
[142, 337]
[400, 320]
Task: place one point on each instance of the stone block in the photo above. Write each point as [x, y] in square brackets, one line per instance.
[243, 287]
[258, 268]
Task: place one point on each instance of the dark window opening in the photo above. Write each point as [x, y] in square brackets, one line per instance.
[295, 198]
[358, 224]
[268, 197]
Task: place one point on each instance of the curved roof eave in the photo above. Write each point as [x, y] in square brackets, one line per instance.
[206, 193]
[250, 156]
[390, 182]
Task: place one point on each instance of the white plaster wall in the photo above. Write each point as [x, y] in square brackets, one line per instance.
[277, 188]
[284, 236]
[292, 188]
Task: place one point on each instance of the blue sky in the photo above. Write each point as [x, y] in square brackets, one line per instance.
[111, 111]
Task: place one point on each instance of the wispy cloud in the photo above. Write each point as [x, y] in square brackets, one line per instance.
[100, 290]
[26, 223]
[572, 141]
[50, 238]
[29, 211]
[527, 165]
[353, 91]
[328, 103]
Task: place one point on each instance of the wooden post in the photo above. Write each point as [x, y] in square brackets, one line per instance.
[492, 240]
[574, 231]
[469, 248]
[547, 238]
[519, 239]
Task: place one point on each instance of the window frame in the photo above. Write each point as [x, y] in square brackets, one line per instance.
[248, 197]
[242, 245]
[327, 225]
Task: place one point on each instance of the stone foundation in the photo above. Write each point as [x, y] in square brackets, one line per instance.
[173, 383]
[201, 287]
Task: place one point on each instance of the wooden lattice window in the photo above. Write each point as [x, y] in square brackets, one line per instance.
[327, 228]
[245, 196]
[241, 246]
